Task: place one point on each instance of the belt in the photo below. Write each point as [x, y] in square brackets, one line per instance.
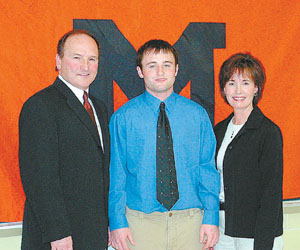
[222, 206]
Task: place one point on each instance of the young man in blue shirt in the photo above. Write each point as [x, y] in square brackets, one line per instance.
[138, 218]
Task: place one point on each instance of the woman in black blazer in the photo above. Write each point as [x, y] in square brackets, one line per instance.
[249, 160]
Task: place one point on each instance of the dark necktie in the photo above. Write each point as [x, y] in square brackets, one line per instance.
[88, 107]
[166, 180]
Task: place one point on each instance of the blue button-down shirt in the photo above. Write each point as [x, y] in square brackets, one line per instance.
[133, 158]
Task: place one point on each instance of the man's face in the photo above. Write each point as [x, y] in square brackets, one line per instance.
[159, 72]
[79, 65]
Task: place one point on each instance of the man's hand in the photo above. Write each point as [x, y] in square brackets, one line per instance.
[62, 244]
[119, 237]
[209, 235]
[109, 241]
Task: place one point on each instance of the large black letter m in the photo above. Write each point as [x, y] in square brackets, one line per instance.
[117, 61]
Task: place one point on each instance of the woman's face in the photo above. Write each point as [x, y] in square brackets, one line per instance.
[240, 91]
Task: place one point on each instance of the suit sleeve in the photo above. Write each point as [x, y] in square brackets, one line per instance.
[103, 119]
[39, 169]
[271, 165]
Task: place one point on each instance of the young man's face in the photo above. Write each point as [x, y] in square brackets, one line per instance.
[159, 72]
[79, 65]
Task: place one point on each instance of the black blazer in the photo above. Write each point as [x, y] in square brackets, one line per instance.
[63, 170]
[252, 172]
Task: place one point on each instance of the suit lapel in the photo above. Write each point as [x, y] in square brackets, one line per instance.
[253, 122]
[78, 109]
[101, 121]
[220, 131]
[102, 117]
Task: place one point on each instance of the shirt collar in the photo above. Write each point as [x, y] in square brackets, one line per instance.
[77, 92]
[254, 119]
[154, 102]
[253, 122]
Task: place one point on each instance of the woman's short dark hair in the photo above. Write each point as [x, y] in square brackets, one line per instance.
[243, 63]
[157, 46]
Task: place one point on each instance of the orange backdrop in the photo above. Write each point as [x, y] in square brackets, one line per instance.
[29, 31]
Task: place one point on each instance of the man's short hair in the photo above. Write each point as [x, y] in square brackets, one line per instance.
[63, 39]
[156, 45]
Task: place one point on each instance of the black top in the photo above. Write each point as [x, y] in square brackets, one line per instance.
[252, 172]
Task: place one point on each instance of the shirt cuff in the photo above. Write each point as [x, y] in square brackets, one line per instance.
[211, 217]
[118, 222]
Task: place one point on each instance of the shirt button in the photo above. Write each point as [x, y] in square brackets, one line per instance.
[230, 147]
[170, 214]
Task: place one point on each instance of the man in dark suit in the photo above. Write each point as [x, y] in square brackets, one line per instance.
[64, 155]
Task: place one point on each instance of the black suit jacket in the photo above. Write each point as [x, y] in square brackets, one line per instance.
[252, 174]
[63, 170]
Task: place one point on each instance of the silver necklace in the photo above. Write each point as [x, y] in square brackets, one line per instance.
[234, 128]
[232, 134]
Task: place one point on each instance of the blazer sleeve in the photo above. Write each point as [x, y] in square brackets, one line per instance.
[39, 168]
[270, 211]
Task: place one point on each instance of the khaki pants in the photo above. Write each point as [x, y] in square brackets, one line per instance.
[172, 230]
